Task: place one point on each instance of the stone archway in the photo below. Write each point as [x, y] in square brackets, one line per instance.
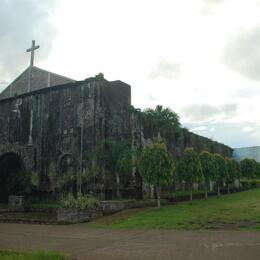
[67, 169]
[65, 163]
[14, 180]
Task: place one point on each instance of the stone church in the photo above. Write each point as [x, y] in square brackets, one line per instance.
[46, 118]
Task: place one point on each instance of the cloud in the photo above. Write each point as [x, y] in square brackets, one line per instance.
[152, 98]
[166, 69]
[248, 92]
[212, 129]
[247, 129]
[213, 2]
[21, 22]
[205, 112]
[209, 7]
[242, 53]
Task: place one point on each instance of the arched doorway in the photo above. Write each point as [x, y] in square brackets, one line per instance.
[67, 163]
[14, 180]
[67, 172]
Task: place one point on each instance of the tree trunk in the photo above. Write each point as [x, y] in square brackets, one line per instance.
[206, 191]
[228, 190]
[158, 197]
[118, 194]
[174, 184]
[218, 190]
[191, 193]
[151, 191]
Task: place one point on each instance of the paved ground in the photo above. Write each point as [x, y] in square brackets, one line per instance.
[83, 243]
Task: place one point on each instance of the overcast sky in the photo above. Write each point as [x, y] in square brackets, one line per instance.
[199, 57]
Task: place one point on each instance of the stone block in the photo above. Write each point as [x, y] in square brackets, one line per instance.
[16, 203]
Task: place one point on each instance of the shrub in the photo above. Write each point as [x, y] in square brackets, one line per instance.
[250, 184]
[68, 202]
[80, 202]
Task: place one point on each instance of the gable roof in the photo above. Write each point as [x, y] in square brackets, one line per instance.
[39, 79]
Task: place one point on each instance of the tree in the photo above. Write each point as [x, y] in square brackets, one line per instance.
[248, 168]
[231, 172]
[116, 157]
[208, 169]
[65, 181]
[160, 121]
[257, 172]
[189, 168]
[221, 171]
[35, 179]
[238, 173]
[156, 167]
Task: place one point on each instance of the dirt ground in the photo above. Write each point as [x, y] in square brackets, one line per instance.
[84, 243]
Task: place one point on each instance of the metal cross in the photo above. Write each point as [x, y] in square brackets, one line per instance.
[32, 49]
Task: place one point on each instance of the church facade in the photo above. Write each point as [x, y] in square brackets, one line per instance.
[58, 125]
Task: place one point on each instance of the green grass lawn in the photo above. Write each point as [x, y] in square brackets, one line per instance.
[46, 205]
[13, 255]
[238, 211]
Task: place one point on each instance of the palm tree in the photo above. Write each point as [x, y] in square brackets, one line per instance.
[160, 122]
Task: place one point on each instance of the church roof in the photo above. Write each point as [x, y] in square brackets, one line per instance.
[39, 79]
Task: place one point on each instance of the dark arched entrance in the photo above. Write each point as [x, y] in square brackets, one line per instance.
[14, 180]
[67, 171]
[66, 164]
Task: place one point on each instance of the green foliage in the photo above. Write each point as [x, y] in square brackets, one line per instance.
[64, 182]
[114, 156]
[257, 172]
[248, 168]
[68, 201]
[250, 184]
[232, 174]
[238, 171]
[161, 121]
[35, 179]
[124, 162]
[156, 165]
[46, 205]
[80, 202]
[189, 167]
[207, 165]
[114, 160]
[13, 255]
[221, 169]
[22, 182]
[182, 195]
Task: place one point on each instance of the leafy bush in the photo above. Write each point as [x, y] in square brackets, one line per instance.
[80, 202]
[180, 194]
[68, 202]
[250, 184]
[244, 184]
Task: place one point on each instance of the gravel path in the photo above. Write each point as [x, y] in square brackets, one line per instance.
[83, 243]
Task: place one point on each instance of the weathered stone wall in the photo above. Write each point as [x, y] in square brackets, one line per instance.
[48, 125]
[200, 143]
[72, 216]
[178, 142]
